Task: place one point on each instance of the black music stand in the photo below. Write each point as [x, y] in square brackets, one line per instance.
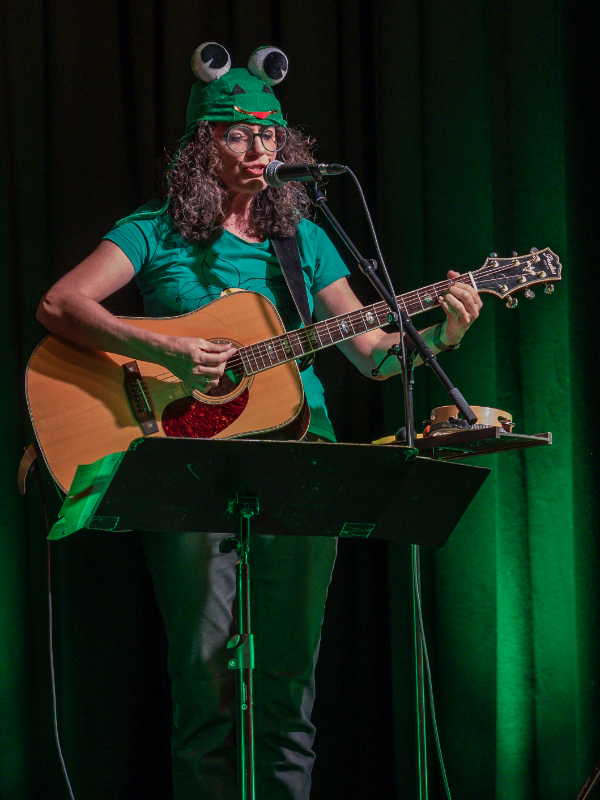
[298, 488]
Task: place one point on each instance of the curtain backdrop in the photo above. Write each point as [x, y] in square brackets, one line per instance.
[473, 127]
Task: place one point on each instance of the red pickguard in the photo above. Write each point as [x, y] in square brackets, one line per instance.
[190, 418]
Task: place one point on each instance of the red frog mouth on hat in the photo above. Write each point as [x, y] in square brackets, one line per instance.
[257, 114]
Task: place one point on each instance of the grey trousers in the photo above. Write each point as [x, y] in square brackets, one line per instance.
[195, 589]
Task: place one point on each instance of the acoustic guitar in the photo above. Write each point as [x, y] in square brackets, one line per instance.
[85, 404]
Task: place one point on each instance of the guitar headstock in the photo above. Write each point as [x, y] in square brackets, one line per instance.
[506, 276]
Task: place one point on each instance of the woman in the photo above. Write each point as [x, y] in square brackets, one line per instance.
[215, 231]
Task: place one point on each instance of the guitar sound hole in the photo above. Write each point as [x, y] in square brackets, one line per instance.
[229, 382]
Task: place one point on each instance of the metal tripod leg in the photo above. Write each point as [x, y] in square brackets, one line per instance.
[419, 677]
[241, 647]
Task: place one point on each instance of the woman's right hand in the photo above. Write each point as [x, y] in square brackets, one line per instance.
[197, 362]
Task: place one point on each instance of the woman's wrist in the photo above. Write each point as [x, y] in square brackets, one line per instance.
[438, 338]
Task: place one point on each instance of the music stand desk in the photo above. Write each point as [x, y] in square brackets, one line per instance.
[304, 488]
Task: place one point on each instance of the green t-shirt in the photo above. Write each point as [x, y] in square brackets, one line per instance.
[176, 277]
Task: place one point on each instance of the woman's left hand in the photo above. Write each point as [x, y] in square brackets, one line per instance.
[461, 303]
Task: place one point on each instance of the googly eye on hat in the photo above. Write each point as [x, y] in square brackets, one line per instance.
[269, 64]
[210, 62]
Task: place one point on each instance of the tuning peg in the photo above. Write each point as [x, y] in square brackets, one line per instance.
[529, 294]
[548, 288]
[514, 253]
[512, 302]
[493, 255]
[534, 250]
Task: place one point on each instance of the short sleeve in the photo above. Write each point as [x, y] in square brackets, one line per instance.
[138, 239]
[328, 264]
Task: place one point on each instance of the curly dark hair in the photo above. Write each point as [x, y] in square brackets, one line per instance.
[199, 197]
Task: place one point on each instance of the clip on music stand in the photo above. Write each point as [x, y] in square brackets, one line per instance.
[297, 488]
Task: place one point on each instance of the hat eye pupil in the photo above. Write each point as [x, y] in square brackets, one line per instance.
[275, 65]
[215, 53]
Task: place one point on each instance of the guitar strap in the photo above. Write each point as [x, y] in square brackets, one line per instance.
[288, 255]
[26, 465]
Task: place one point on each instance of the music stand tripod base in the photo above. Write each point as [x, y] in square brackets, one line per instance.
[241, 646]
[304, 489]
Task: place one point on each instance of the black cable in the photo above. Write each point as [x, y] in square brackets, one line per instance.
[416, 588]
[417, 593]
[36, 472]
[363, 201]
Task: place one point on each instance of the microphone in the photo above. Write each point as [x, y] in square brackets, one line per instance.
[277, 173]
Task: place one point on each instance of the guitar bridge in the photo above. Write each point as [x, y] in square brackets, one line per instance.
[139, 398]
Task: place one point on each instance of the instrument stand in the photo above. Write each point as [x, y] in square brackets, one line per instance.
[154, 483]
[241, 645]
[404, 324]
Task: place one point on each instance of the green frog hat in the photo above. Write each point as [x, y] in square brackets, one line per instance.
[223, 94]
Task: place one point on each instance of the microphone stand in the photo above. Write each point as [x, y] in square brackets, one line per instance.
[401, 320]
[403, 323]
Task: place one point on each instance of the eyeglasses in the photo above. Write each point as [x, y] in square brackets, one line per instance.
[240, 138]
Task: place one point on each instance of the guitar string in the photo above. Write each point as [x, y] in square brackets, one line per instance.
[405, 300]
[266, 350]
[260, 350]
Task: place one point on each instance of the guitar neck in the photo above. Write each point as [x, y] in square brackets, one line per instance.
[304, 341]
[498, 276]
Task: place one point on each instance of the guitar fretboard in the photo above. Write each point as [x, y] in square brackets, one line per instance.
[296, 344]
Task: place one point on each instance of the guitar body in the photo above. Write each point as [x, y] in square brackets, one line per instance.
[85, 404]
[81, 412]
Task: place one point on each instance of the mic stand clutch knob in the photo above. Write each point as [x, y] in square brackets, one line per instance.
[393, 351]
